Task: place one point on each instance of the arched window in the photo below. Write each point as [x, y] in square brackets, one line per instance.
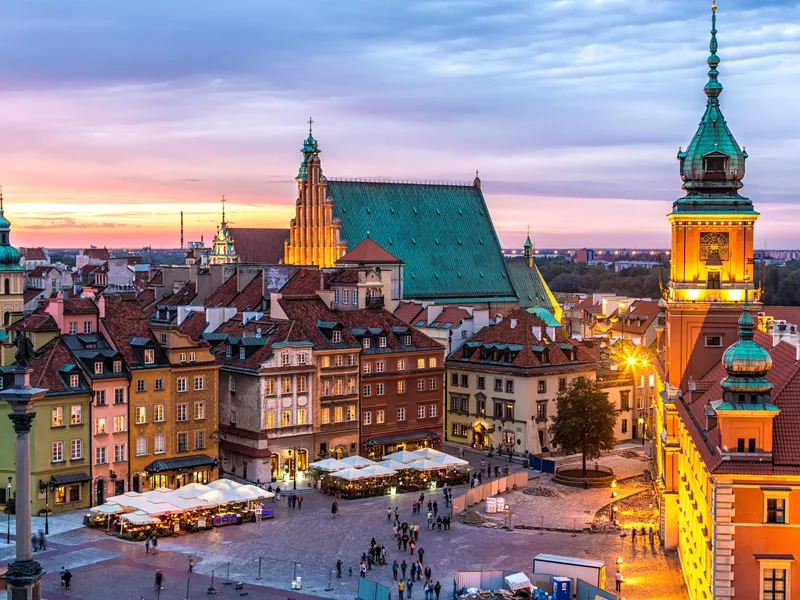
[6, 318]
[6, 286]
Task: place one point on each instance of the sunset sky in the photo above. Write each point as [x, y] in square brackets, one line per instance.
[115, 116]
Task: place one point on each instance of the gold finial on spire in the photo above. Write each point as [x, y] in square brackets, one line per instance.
[713, 5]
[310, 123]
[223, 208]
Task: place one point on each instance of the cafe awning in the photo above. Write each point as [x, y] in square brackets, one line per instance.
[403, 436]
[67, 478]
[140, 518]
[179, 463]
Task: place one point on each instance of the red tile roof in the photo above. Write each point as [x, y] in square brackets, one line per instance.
[40, 271]
[97, 253]
[38, 321]
[157, 278]
[368, 251]
[347, 275]
[124, 320]
[282, 330]
[33, 253]
[305, 283]
[194, 325]
[182, 297]
[410, 312]
[75, 305]
[306, 313]
[30, 294]
[453, 315]
[224, 293]
[145, 297]
[46, 363]
[638, 318]
[251, 297]
[384, 320]
[790, 314]
[258, 245]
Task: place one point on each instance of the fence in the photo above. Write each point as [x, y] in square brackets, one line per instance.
[489, 489]
[544, 465]
[371, 590]
[587, 591]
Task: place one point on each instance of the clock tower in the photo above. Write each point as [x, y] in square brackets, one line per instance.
[711, 273]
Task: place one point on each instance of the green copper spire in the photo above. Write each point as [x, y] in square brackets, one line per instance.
[528, 243]
[9, 256]
[746, 362]
[713, 166]
[310, 150]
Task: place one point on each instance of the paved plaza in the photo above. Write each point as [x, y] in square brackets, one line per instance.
[308, 543]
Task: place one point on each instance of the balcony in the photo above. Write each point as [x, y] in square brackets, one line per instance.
[374, 302]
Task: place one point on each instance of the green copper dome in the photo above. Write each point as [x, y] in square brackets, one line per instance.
[746, 362]
[9, 256]
[310, 149]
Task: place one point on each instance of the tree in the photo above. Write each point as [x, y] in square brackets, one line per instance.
[585, 420]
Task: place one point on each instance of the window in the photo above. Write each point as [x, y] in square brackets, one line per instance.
[366, 342]
[482, 406]
[119, 424]
[149, 356]
[199, 440]
[302, 358]
[325, 416]
[182, 357]
[98, 368]
[432, 410]
[87, 327]
[740, 445]
[325, 361]
[432, 384]
[354, 294]
[301, 416]
[159, 443]
[199, 411]
[465, 381]
[498, 410]
[774, 584]
[380, 366]
[73, 327]
[454, 379]
[159, 384]
[401, 414]
[242, 353]
[406, 340]
[498, 385]
[432, 363]
[351, 412]
[57, 419]
[345, 297]
[100, 457]
[368, 390]
[338, 387]
[117, 366]
[141, 385]
[301, 382]
[141, 415]
[269, 387]
[541, 411]
[382, 341]
[380, 416]
[158, 413]
[401, 365]
[714, 341]
[336, 296]
[380, 389]
[323, 448]
[286, 358]
[509, 414]
[624, 400]
[192, 357]
[286, 385]
[541, 386]
[199, 383]
[367, 368]
[119, 395]
[100, 426]
[481, 382]
[624, 425]
[326, 387]
[76, 449]
[233, 417]
[751, 445]
[286, 418]
[163, 338]
[776, 510]
[421, 412]
[183, 412]
[510, 386]
[465, 404]
[231, 384]
[100, 397]
[401, 387]
[182, 383]
[351, 385]
[351, 360]
[338, 360]
[367, 417]
[269, 420]
[714, 164]
[57, 452]
[75, 414]
[228, 351]
[336, 337]
[338, 414]
[562, 384]
[74, 381]
[183, 442]
[420, 385]
[141, 445]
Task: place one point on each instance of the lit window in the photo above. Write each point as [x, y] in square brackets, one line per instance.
[141, 415]
[286, 385]
[338, 414]
[158, 413]
[301, 416]
[432, 363]
[119, 424]
[380, 416]
[98, 368]
[367, 417]
[420, 363]
[774, 584]
[75, 414]
[325, 361]
[338, 387]
[149, 356]
[100, 426]
[401, 365]
[401, 387]
[325, 416]
[57, 419]
[199, 411]
[269, 420]
[269, 387]
[351, 412]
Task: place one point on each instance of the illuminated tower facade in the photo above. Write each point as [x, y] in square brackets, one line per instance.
[314, 233]
[223, 250]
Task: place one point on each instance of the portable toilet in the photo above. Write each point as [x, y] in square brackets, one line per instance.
[562, 588]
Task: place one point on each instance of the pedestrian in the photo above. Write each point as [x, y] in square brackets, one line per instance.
[63, 572]
[461, 452]
[397, 513]
[363, 569]
[430, 520]
[299, 502]
[42, 543]
[422, 496]
[401, 585]
[428, 573]
[412, 546]
[416, 531]
[383, 555]
[633, 536]
[370, 559]
[399, 542]
[409, 587]
[191, 563]
[147, 545]
[159, 579]
[413, 570]
[68, 579]
[426, 591]
[480, 477]
[334, 509]
[436, 589]
[419, 571]
[421, 553]
[618, 578]
[155, 544]
[277, 493]
[349, 571]
[389, 514]
[435, 508]
[430, 506]
[439, 523]
[395, 569]
[339, 569]
[35, 543]
[403, 567]
[642, 532]
[405, 542]
[497, 470]
[447, 523]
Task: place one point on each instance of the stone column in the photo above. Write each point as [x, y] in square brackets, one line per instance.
[24, 574]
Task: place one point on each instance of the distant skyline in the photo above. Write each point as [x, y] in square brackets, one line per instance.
[117, 116]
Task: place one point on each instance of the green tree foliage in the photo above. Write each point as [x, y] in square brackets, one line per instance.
[583, 278]
[585, 420]
[781, 284]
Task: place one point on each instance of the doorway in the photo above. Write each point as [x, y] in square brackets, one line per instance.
[180, 481]
[273, 467]
[136, 484]
[302, 459]
[100, 493]
[119, 487]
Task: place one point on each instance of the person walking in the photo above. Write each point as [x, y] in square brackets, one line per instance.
[436, 589]
[428, 573]
[435, 508]
[42, 542]
[147, 545]
[430, 506]
[395, 569]
[409, 587]
[421, 553]
[412, 546]
[405, 542]
[419, 571]
[363, 570]
[35, 543]
[339, 569]
[155, 544]
[401, 586]
[633, 536]
[403, 567]
[430, 520]
[299, 503]
[413, 571]
[397, 513]
[370, 559]
[68, 579]
[159, 581]
[334, 509]
[191, 563]
[439, 523]
[62, 573]
[618, 578]
[389, 514]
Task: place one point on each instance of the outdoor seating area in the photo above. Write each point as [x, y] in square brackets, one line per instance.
[402, 471]
[195, 507]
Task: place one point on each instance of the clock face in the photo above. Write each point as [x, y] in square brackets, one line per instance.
[713, 245]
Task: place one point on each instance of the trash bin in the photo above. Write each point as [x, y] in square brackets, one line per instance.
[562, 588]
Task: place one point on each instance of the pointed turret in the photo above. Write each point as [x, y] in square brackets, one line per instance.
[528, 248]
[9, 256]
[310, 151]
[747, 365]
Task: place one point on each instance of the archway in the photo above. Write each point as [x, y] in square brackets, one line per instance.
[479, 435]
[302, 459]
[339, 452]
[273, 466]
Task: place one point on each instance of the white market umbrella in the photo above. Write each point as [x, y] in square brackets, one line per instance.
[108, 508]
[429, 453]
[449, 461]
[140, 518]
[394, 465]
[377, 471]
[403, 456]
[423, 464]
[238, 490]
[359, 462]
[350, 474]
[188, 503]
[198, 490]
[158, 509]
[329, 464]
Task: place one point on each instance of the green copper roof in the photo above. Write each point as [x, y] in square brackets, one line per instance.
[443, 234]
[713, 165]
[528, 243]
[531, 288]
[760, 406]
[546, 315]
[746, 362]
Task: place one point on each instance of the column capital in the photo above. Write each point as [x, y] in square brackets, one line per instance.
[22, 422]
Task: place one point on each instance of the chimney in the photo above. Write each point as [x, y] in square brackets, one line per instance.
[797, 354]
[101, 305]
[513, 323]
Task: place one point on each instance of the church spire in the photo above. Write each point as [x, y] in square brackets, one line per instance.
[713, 88]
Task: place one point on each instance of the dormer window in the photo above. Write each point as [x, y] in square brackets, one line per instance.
[336, 296]
[117, 366]
[336, 337]
[242, 353]
[286, 359]
[149, 356]
[366, 343]
[382, 341]
[229, 352]
[74, 381]
[406, 340]
[714, 164]
[98, 368]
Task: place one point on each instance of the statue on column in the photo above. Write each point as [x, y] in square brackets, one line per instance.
[24, 350]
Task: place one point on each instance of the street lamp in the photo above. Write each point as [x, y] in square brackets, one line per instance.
[8, 511]
[45, 488]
